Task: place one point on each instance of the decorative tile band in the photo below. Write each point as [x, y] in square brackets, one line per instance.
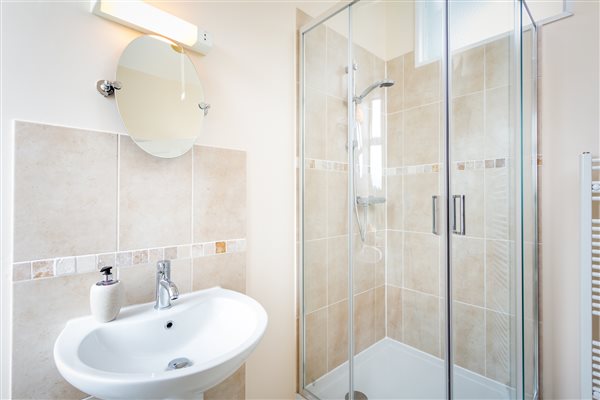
[325, 165]
[413, 169]
[481, 164]
[60, 266]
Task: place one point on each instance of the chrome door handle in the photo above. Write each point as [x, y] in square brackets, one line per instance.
[434, 214]
[458, 217]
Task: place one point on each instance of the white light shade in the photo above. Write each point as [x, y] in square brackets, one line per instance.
[144, 17]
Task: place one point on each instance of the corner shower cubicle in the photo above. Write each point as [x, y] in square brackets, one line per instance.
[418, 229]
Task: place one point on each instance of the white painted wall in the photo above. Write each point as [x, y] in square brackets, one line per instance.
[52, 55]
[569, 109]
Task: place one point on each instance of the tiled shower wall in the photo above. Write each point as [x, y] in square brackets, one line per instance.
[326, 211]
[410, 305]
[87, 198]
[480, 148]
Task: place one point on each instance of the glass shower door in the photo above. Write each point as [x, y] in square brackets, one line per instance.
[398, 264]
[324, 187]
[486, 208]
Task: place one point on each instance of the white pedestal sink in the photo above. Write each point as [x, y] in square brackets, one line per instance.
[208, 334]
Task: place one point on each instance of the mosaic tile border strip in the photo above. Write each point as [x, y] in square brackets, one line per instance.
[54, 267]
[325, 165]
[481, 164]
[412, 169]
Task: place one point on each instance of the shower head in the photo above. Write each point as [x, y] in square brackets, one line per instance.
[378, 84]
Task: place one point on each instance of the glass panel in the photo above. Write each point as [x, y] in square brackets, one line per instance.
[397, 270]
[325, 216]
[529, 205]
[482, 184]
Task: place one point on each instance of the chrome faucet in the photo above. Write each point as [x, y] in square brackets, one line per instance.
[166, 291]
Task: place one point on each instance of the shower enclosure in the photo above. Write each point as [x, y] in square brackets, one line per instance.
[418, 229]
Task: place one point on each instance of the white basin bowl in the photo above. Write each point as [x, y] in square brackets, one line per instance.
[215, 329]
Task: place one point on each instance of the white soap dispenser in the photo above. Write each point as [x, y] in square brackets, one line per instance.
[106, 297]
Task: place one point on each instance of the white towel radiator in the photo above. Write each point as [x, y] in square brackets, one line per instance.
[590, 277]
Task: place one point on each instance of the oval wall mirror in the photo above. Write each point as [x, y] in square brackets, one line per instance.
[161, 100]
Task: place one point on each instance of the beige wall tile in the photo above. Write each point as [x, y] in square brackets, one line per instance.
[315, 274]
[394, 249]
[315, 204]
[337, 334]
[232, 388]
[365, 74]
[364, 264]
[394, 312]
[379, 69]
[379, 311]
[316, 345]
[395, 138]
[421, 262]
[225, 270]
[469, 337]
[364, 320]
[65, 192]
[418, 189]
[337, 60]
[497, 217]
[337, 130]
[394, 203]
[497, 63]
[21, 271]
[37, 321]
[315, 57]
[422, 135]
[498, 351]
[471, 184]
[497, 274]
[468, 270]
[395, 94]
[421, 319]
[467, 127]
[497, 125]
[155, 198]
[380, 257]
[315, 124]
[337, 203]
[219, 194]
[468, 71]
[421, 84]
[337, 269]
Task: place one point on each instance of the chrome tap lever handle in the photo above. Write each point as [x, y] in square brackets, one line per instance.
[164, 267]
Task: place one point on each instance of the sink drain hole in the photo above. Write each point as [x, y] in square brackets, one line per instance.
[179, 363]
[169, 324]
